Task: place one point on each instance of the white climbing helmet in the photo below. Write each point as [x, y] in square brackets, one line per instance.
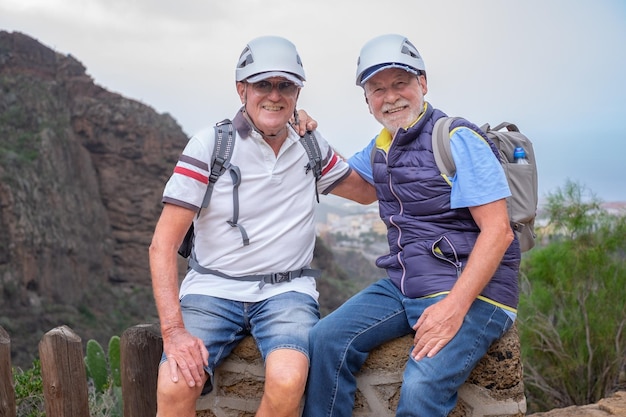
[388, 51]
[270, 56]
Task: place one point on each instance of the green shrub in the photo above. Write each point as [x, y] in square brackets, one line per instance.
[572, 313]
[29, 391]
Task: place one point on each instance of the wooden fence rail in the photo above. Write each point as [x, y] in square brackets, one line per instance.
[7, 393]
[63, 373]
[64, 377]
[141, 349]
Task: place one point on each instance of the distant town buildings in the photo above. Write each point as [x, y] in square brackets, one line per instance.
[345, 223]
[617, 208]
[351, 220]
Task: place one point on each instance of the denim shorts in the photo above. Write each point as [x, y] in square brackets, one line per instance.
[280, 322]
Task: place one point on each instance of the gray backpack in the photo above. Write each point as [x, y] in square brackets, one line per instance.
[220, 163]
[522, 205]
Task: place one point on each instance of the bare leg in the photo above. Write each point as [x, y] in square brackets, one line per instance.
[286, 372]
[175, 399]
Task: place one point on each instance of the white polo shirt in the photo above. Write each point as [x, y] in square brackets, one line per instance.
[276, 208]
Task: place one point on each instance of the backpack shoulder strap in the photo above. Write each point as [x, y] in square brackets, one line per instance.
[312, 148]
[220, 160]
[219, 163]
[441, 146]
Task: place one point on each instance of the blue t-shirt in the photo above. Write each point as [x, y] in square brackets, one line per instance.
[479, 177]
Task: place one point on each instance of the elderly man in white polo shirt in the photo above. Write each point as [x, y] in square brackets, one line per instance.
[220, 301]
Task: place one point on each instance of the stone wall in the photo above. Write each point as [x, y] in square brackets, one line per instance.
[494, 388]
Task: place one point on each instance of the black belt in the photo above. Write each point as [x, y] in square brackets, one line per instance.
[273, 278]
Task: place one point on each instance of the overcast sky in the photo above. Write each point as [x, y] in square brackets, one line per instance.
[557, 68]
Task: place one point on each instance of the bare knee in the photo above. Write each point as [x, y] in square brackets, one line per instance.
[285, 375]
[175, 398]
[285, 380]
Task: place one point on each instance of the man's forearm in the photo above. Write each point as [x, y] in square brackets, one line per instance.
[164, 273]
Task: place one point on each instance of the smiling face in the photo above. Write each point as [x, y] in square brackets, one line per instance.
[395, 97]
[269, 108]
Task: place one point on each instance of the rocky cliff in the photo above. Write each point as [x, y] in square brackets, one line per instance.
[81, 176]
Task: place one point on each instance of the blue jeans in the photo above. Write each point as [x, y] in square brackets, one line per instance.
[280, 322]
[341, 342]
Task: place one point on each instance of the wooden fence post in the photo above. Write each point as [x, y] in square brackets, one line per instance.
[63, 374]
[141, 348]
[7, 392]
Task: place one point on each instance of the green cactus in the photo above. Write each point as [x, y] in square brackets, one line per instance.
[106, 377]
[114, 361]
[96, 365]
